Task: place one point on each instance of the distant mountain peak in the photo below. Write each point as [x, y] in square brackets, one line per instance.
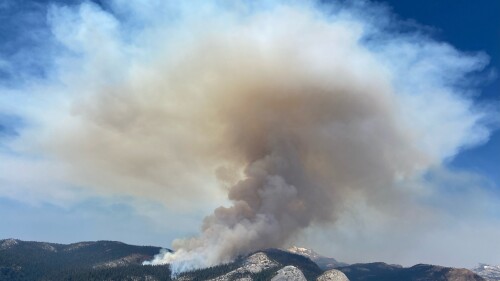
[322, 261]
[304, 252]
[488, 272]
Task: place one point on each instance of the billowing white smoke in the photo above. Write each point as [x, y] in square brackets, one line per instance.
[296, 110]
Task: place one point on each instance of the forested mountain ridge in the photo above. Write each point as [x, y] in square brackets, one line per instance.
[28, 260]
[113, 261]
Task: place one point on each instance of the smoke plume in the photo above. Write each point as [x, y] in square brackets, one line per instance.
[293, 111]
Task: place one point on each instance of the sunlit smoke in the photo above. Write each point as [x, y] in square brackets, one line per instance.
[294, 110]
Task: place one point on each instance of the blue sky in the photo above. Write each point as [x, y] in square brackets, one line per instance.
[472, 27]
[43, 198]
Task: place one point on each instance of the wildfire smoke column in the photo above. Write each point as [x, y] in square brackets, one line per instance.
[304, 113]
[289, 115]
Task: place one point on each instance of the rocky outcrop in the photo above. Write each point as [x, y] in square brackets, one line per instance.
[258, 262]
[8, 243]
[128, 260]
[255, 263]
[289, 273]
[323, 262]
[333, 275]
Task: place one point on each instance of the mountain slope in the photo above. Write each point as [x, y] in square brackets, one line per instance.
[25, 260]
[322, 261]
[111, 261]
[488, 272]
[262, 265]
[382, 271]
[289, 273]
